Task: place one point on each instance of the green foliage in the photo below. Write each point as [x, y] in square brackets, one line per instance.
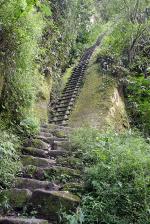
[117, 177]
[23, 26]
[127, 43]
[29, 126]
[138, 94]
[9, 158]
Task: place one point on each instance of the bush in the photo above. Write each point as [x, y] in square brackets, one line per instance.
[29, 126]
[138, 93]
[9, 158]
[117, 178]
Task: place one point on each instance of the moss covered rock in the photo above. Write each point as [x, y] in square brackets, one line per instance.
[17, 198]
[35, 161]
[36, 143]
[49, 203]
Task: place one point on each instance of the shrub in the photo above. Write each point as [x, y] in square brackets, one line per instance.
[138, 93]
[117, 178]
[9, 158]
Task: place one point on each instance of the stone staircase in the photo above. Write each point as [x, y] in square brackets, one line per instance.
[50, 177]
[63, 107]
[42, 188]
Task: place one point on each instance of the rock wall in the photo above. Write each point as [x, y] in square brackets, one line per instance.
[100, 103]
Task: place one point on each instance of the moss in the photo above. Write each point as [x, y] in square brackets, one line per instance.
[98, 99]
[50, 203]
[71, 161]
[40, 108]
[35, 161]
[59, 133]
[17, 198]
[66, 76]
[73, 187]
[37, 143]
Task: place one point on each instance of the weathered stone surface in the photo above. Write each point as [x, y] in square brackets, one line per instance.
[48, 203]
[47, 140]
[55, 153]
[35, 161]
[17, 197]
[54, 172]
[50, 140]
[35, 152]
[37, 143]
[73, 187]
[45, 134]
[13, 220]
[60, 133]
[63, 144]
[32, 184]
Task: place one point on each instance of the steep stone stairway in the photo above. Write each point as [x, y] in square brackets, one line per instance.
[50, 176]
[62, 109]
[42, 188]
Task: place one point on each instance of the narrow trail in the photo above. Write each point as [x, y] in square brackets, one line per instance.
[49, 178]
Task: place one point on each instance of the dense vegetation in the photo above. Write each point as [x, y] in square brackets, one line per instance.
[39, 40]
[126, 51]
[116, 177]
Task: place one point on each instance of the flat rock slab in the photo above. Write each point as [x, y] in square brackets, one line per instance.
[49, 203]
[37, 143]
[36, 161]
[35, 152]
[12, 220]
[49, 172]
[32, 184]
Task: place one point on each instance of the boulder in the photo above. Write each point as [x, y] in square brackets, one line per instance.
[35, 161]
[35, 152]
[49, 203]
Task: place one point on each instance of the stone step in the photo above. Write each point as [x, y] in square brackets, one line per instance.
[19, 220]
[32, 184]
[49, 173]
[56, 153]
[59, 115]
[50, 140]
[69, 97]
[54, 127]
[35, 152]
[65, 145]
[60, 119]
[62, 113]
[43, 154]
[37, 143]
[63, 109]
[35, 161]
[73, 91]
[69, 88]
[74, 79]
[48, 203]
[44, 134]
[73, 83]
[64, 101]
